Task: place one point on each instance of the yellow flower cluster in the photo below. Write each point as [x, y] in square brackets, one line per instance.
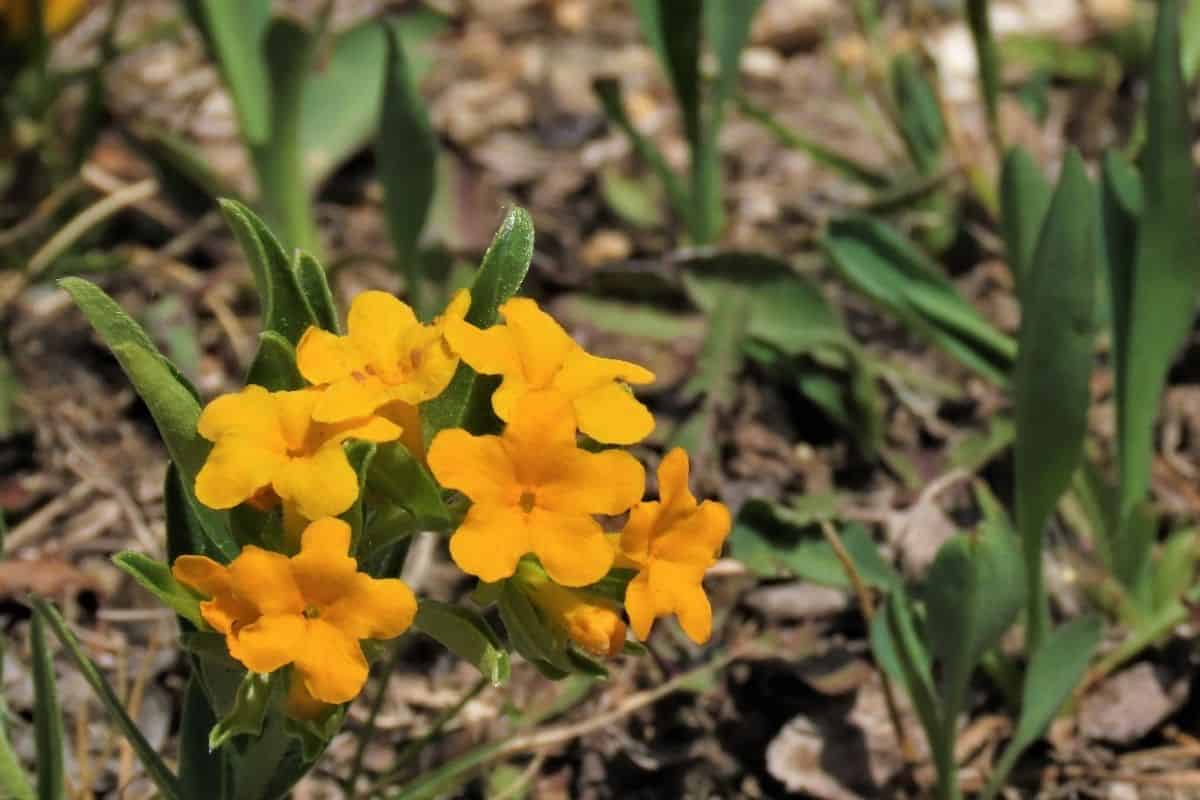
[533, 490]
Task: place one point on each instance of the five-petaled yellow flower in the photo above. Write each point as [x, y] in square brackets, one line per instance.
[672, 543]
[387, 357]
[270, 441]
[310, 610]
[533, 490]
[532, 352]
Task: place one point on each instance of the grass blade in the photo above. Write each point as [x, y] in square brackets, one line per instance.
[47, 719]
[1024, 200]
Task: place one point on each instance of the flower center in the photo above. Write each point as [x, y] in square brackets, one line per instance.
[527, 501]
[312, 612]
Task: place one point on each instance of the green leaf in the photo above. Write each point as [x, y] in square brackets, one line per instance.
[156, 578]
[183, 172]
[406, 152]
[187, 532]
[465, 402]
[284, 307]
[274, 365]
[890, 269]
[529, 635]
[404, 481]
[773, 540]
[156, 770]
[314, 285]
[902, 648]
[608, 93]
[629, 318]
[1175, 568]
[673, 29]
[14, 783]
[1054, 366]
[1166, 273]
[466, 634]
[1024, 200]
[47, 719]
[637, 201]
[233, 33]
[988, 58]
[1054, 670]
[360, 455]
[203, 773]
[973, 593]
[9, 388]
[249, 710]
[920, 115]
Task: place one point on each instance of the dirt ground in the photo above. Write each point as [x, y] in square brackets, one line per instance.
[784, 700]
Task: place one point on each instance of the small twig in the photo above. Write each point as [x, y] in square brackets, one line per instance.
[867, 605]
[41, 213]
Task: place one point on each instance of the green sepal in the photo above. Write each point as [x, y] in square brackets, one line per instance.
[314, 285]
[314, 735]
[274, 366]
[250, 706]
[403, 481]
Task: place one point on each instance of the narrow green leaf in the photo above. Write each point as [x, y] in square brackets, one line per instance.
[529, 635]
[1054, 367]
[673, 29]
[721, 357]
[249, 710]
[274, 366]
[466, 634]
[988, 58]
[973, 592]
[464, 403]
[1024, 200]
[1174, 569]
[156, 578]
[192, 528]
[47, 719]
[233, 33]
[14, 783]
[1120, 207]
[203, 773]
[183, 172]
[406, 152]
[903, 648]
[1167, 261]
[157, 771]
[1054, 670]
[608, 93]
[360, 455]
[314, 285]
[398, 478]
[920, 115]
[284, 307]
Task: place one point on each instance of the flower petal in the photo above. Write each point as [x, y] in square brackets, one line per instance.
[294, 410]
[235, 470]
[202, 574]
[572, 547]
[324, 357]
[676, 588]
[639, 605]
[611, 414]
[609, 482]
[673, 489]
[477, 466]
[541, 343]
[635, 538]
[265, 580]
[331, 664]
[490, 541]
[696, 538]
[249, 413]
[321, 485]
[271, 642]
[350, 398]
[583, 372]
[323, 569]
[377, 322]
[300, 703]
[490, 351]
[373, 608]
[457, 308]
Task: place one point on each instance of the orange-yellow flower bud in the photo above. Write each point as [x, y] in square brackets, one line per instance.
[592, 624]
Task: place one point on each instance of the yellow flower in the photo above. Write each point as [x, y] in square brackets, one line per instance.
[534, 491]
[387, 357]
[592, 624]
[672, 543]
[57, 15]
[534, 353]
[269, 440]
[310, 610]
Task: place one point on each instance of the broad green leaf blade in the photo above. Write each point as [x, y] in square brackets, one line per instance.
[284, 307]
[341, 108]
[1054, 366]
[406, 152]
[156, 578]
[47, 719]
[314, 285]
[233, 33]
[274, 366]
[890, 269]
[250, 706]
[973, 592]
[157, 771]
[1167, 261]
[608, 92]
[465, 402]
[399, 478]
[188, 522]
[1024, 200]
[529, 635]
[1053, 672]
[203, 773]
[920, 115]
[988, 58]
[466, 634]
